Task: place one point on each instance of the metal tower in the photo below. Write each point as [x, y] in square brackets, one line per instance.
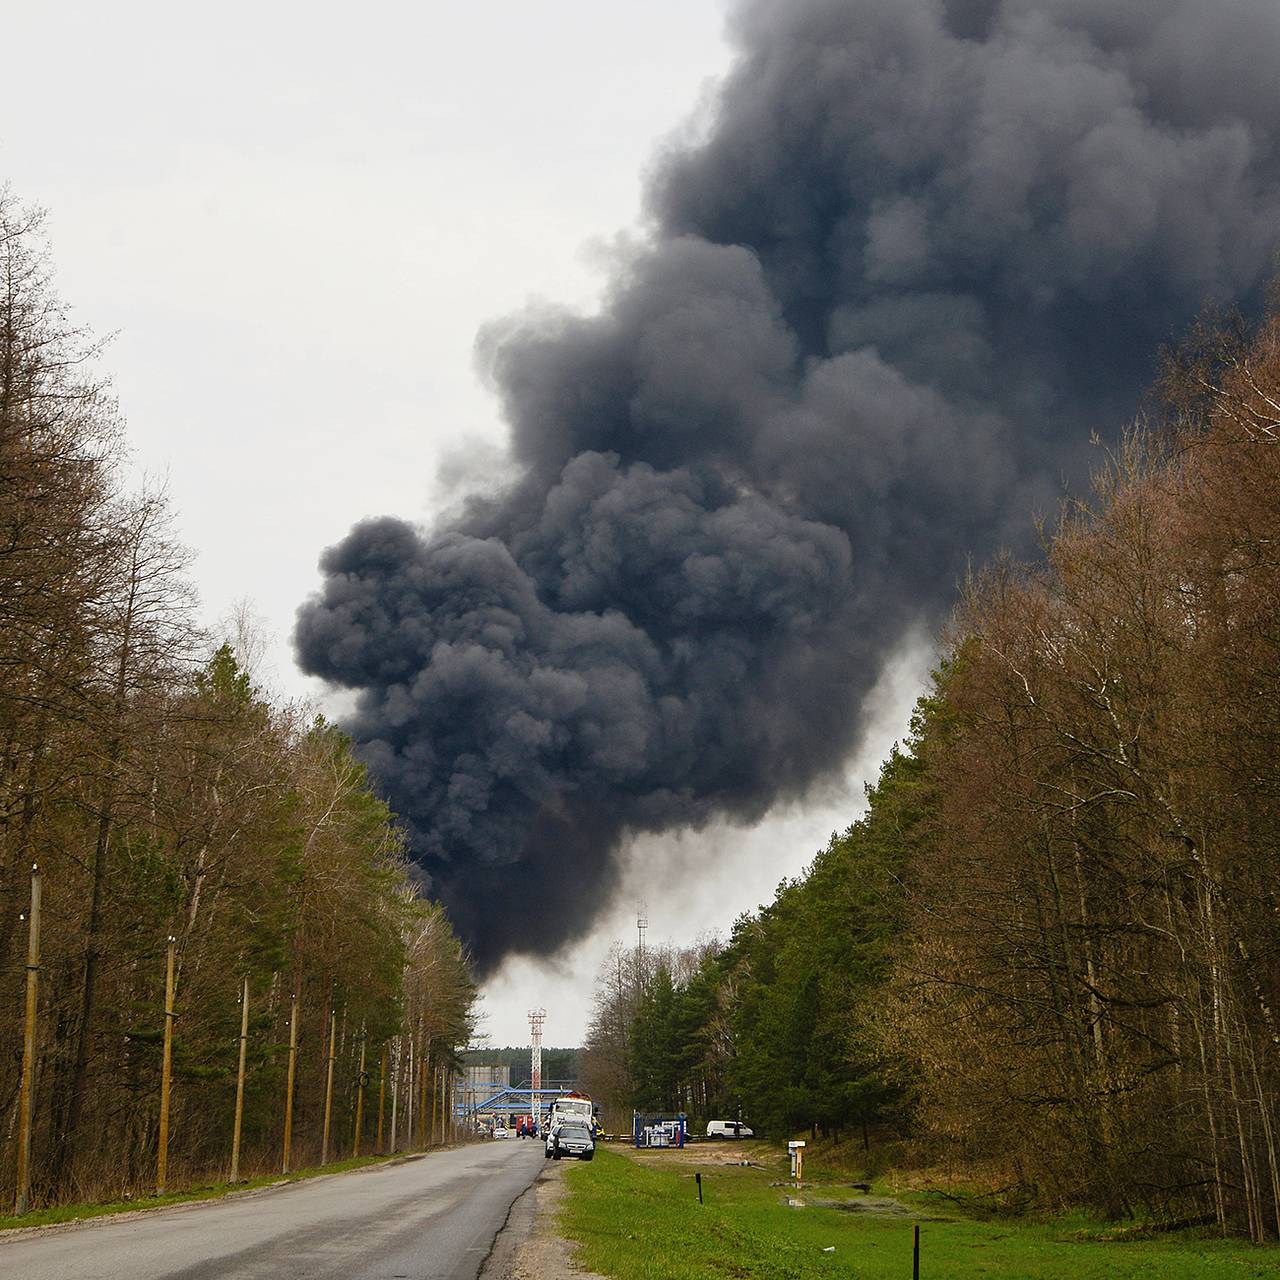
[536, 1018]
[642, 923]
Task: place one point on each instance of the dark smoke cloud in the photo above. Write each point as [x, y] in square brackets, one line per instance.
[925, 249]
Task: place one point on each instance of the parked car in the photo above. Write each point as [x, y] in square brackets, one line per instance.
[501, 1131]
[729, 1129]
[571, 1138]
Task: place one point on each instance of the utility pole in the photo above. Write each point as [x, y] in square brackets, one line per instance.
[397, 1065]
[328, 1090]
[288, 1093]
[244, 1044]
[355, 1146]
[27, 1087]
[166, 1072]
[410, 1084]
[426, 1072]
[435, 1097]
[382, 1097]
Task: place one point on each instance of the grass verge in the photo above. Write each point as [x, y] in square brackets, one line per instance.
[637, 1220]
[209, 1191]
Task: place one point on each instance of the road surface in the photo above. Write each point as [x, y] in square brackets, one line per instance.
[428, 1219]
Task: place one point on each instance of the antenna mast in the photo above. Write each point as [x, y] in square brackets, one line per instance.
[536, 1018]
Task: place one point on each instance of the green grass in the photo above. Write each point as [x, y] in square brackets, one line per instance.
[210, 1191]
[639, 1221]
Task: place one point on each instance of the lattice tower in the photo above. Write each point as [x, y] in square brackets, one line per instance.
[536, 1018]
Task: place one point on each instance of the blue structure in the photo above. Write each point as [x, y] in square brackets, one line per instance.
[519, 1100]
[659, 1131]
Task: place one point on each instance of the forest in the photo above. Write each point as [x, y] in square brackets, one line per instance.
[1044, 965]
[162, 800]
[558, 1065]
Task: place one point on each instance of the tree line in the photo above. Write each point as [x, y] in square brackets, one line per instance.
[557, 1064]
[1049, 952]
[161, 795]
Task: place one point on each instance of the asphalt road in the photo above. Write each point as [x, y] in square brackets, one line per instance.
[428, 1219]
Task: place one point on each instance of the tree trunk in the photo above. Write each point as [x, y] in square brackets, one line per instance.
[65, 1148]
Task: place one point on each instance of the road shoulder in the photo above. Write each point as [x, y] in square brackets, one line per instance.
[530, 1246]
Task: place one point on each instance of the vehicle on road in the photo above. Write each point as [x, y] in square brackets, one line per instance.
[574, 1106]
[571, 1138]
[729, 1129]
[501, 1131]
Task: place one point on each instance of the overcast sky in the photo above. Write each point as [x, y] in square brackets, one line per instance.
[294, 218]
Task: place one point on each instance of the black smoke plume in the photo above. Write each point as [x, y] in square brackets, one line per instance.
[922, 251]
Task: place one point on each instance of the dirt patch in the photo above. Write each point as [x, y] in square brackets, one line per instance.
[870, 1206]
[530, 1247]
[713, 1154]
[875, 1206]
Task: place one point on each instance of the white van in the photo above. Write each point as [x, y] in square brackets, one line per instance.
[728, 1129]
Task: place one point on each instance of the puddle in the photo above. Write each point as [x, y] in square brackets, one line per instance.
[870, 1206]
[877, 1206]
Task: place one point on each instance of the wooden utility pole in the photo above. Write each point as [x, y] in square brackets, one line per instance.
[410, 1085]
[244, 1045]
[288, 1095]
[425, 1072]
[435, 1092]
[443, 1088]
[382, 1097]
[166, 1072]
[416, 1135]
[26, 1089]
[328, 1091]
[355, 1146]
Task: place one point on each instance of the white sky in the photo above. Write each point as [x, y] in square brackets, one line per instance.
[295, 217]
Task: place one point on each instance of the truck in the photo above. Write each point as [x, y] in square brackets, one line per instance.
[574, 1106]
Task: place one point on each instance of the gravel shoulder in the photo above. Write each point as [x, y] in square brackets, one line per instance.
[530, 1246]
